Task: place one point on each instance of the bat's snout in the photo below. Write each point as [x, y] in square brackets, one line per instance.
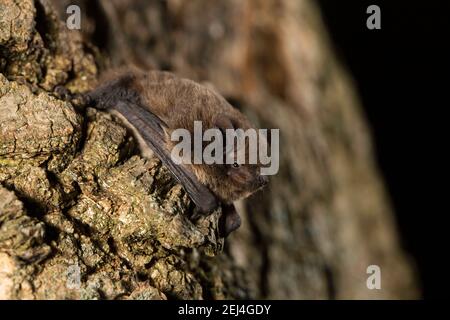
[263, 180]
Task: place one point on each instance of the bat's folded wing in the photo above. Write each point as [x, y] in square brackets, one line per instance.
[151, 128]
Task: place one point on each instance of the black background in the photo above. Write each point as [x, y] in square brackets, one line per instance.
[402, 76]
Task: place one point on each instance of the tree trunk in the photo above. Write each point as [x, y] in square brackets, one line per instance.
[83, 216]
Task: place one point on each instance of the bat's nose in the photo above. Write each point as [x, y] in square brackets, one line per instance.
[263, 180]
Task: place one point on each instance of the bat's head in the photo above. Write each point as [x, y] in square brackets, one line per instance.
[239, 175]
[238, 181]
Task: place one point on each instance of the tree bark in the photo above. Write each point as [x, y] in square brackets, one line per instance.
[82, 215]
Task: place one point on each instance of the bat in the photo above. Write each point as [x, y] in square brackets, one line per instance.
[155, 103]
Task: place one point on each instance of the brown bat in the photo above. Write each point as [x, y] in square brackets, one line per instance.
[155, 103]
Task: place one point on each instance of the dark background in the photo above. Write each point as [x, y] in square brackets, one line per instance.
[402, 76]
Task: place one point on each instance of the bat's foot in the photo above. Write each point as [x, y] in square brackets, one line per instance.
[77, 99]
[62, 93]
[229, 221]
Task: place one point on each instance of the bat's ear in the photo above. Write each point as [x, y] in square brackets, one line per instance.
[223, 122]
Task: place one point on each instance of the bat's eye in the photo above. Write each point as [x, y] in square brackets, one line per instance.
[235, 165]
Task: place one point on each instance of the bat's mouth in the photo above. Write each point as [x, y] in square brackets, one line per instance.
[260, 182]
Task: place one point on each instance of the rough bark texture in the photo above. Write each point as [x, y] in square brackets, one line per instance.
[75, 198]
